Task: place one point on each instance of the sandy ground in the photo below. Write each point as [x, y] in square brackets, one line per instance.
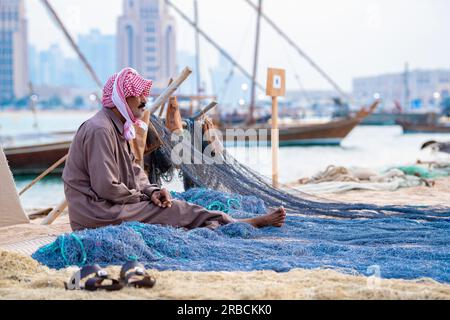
[23, 278]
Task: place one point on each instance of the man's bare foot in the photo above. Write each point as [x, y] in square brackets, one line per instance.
[274, 219]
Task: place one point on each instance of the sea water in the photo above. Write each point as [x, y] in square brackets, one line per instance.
[372, 147]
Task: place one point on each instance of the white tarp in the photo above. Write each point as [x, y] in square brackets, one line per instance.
[11, 211]
[343, 186]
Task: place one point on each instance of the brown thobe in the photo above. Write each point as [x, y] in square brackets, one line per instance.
[104, 186]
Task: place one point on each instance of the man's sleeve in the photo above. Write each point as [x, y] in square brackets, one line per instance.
[104, 171]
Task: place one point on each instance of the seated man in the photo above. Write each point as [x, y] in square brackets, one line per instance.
[103, 184]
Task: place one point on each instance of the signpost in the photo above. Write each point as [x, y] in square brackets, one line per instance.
[276, 87]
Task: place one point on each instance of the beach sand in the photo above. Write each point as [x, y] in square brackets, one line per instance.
[23, 278]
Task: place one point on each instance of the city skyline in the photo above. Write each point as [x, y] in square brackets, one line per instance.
[152, 49]
[53, 66]
[349, 39]
[411, 89]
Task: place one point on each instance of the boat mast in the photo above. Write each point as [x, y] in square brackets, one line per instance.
[222, 51]
[299, 51]
[251, 119]
[32, 104]
[197, 49]
[73, 44]
[407, 103]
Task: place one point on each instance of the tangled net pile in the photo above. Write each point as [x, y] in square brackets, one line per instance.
[231, 176]
[396, 247]
[395, 241]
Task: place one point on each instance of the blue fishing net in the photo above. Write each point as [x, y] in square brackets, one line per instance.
[237, 205]
[231, 176]
[406, 242]
[399, 247]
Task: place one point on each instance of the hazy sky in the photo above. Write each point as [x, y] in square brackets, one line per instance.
[347, 38]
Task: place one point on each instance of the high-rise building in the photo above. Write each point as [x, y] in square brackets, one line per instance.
[13, 50]
[146, 40]
[100, 50]
[51, 66]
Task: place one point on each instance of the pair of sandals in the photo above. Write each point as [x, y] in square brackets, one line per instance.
[132, 274]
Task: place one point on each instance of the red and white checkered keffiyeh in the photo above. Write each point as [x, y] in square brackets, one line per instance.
[127, 83]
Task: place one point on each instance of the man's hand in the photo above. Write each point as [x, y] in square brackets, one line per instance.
[162, 198]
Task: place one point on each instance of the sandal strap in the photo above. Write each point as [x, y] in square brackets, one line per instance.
[96, 283]
[132, 269]
[146, 282]
[132, 265]
[89, 270]
[75, 281]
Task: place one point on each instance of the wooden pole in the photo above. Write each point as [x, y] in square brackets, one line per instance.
[197, 116]
[52, 216]
[191, 107]
[72, 42]
[165, 95]
[32, 104]
[163, 107]
[197, 49]
[251, 118]
[275, 143]
[44, 174]
[299, 51]
[222, 51]
[40, 213]
[161, 111]
[204, 111]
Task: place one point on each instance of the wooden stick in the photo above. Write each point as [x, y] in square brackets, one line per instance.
[72, 42]
[191, 107]
[44, 174]
[163, 107]
[52, 216]
[40, 213]
[170, 90]
[208, 108]
[275, 142]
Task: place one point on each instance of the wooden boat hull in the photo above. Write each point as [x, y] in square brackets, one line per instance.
[390, 119]
[36, 159]
[330, 133]
[423, 128]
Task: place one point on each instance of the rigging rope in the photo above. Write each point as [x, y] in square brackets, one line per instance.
[299, 50]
